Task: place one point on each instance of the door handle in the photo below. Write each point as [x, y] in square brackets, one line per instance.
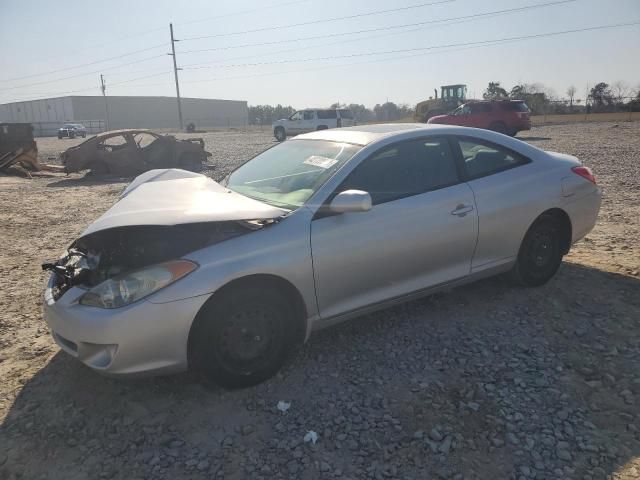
[462, 209]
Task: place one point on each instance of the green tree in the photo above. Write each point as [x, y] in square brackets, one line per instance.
[601, 96]
[494, 90]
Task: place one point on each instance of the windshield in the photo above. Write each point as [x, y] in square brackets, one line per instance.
[288, 174]
[68, 126]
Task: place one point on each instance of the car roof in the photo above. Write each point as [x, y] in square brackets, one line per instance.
[364, 134]
[112, 133]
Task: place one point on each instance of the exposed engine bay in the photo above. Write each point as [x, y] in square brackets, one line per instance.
[99, 256]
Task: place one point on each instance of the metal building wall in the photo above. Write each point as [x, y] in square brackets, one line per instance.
[125, 112]
[57, 110]
[161, 112]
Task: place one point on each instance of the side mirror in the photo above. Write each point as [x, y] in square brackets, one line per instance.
[351, 201]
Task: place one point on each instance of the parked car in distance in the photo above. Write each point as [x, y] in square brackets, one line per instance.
[72, 130]
[310, 119]
[227, 278]
[502, 116]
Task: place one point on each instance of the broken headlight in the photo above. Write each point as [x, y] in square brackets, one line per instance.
[132, 286]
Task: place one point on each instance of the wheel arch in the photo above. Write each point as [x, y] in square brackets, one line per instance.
[564, 221]
[265, 281]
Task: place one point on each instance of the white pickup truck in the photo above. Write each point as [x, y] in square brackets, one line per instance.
[311, 119]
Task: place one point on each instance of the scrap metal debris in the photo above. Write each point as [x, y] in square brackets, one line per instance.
[19, 151]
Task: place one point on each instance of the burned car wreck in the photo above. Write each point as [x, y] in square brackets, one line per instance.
[132, 152]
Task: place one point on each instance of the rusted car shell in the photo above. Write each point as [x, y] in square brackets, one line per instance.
[118, 152]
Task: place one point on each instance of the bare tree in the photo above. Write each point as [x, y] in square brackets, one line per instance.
[620, 91]
[571, 92]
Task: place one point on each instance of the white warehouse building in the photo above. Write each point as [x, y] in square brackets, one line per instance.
[47, 115]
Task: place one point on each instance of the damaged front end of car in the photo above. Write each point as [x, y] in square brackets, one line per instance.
[120, 263]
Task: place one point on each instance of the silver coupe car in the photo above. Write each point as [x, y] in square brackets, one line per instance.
[227, 278]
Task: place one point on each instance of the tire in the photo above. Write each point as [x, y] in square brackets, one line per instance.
[280, 134]
[540, 253]
[59, 137]
[243, 337]
[498, 127]
[84, 135]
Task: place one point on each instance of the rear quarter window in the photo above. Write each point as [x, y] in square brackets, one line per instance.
[516, 107]
[482, 158]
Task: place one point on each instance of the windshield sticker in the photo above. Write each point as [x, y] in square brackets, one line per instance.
[322, 162]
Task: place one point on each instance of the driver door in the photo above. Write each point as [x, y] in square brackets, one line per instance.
[421, 231]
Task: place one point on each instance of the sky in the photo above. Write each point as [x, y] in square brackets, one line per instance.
[261, 50]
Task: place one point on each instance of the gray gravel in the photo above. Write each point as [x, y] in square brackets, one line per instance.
[482, 382]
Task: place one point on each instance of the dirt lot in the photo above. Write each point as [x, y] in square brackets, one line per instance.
[486, 381]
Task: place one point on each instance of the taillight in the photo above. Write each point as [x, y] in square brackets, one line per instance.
[585, 172]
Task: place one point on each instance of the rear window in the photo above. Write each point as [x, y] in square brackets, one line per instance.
[516, 107]
[480, 107]
[326, 114]
[346, 114]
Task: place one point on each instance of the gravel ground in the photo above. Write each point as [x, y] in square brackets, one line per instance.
[486, 381]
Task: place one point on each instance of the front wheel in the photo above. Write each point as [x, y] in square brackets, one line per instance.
[540, 254]
[242, 337]
[280, 134]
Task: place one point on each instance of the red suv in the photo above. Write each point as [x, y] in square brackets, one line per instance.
[503, 116]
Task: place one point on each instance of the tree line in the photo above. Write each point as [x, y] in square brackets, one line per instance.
[388, 111]
[602, 97]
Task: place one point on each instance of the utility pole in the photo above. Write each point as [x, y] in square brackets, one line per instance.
[175, 72]
[103, 87]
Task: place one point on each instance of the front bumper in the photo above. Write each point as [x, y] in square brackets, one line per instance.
[141, 338]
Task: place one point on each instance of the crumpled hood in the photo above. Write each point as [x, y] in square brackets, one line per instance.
[172, 197]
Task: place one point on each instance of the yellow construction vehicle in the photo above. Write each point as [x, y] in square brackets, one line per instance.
[451, 97]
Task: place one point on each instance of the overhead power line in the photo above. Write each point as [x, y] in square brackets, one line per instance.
[404, 50]
[43, 82]
[45, 96]
[95, 62]
[350, 64]
[379, 29]
[325, 20]
[242, 12]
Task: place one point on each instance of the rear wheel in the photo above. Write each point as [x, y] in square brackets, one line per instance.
[540, 254]
[498, 127]
[242, 337]
[280, 134]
